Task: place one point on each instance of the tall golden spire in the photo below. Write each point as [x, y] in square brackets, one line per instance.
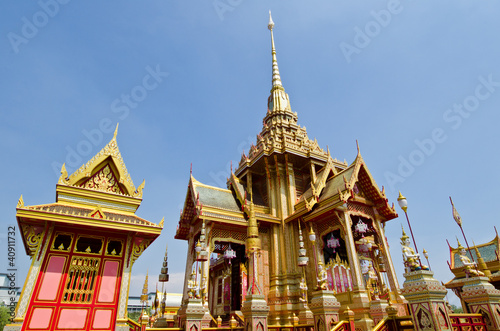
[278, 100]
[276, 72]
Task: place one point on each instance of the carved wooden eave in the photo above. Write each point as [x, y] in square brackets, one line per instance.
[187, 214]
[214, 204]
[80, 217]
[328, 170]
[239, 190]
[363, 178]
[210, 203]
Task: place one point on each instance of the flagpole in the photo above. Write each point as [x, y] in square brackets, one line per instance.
[458, 219]
[470, 252]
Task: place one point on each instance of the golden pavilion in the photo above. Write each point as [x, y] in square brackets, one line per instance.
[289, 209]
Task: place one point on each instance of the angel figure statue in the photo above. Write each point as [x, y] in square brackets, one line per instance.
[322, 277]
[470, 267]
[411, 259]
[303, 290]
[192, 286]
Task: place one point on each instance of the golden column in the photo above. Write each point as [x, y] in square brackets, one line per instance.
[255, 307]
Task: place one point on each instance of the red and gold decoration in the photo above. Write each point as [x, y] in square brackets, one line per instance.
[83, 248]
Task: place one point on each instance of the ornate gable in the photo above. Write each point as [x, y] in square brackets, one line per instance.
[103, 180]
[367, 188]
[354, 184]
[105, 172]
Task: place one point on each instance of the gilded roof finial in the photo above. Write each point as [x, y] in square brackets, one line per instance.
[276, 72]
[140, 188]
[64, 175]
[116, 131]
[20, 202]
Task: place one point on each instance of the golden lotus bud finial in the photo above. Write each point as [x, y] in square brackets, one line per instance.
[403, 203]
[312, 235]
[270, 25]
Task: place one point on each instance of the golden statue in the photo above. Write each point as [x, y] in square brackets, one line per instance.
[192, 286]
[470, 267]
[322, 277]
[369, 275]
[303, 290]
[412, 259]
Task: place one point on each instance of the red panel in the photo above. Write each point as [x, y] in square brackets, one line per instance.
[102, 319]
[57, 314]
[108, 283]
[41, 318]
[51, 278]
[73, 319]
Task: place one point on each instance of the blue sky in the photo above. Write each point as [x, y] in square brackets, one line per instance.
[416, 83]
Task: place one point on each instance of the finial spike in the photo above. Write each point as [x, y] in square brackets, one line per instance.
[20, 202]
[140, 188]
[456, 215]
[64, 175]
[270, 25]
[116, 131]
[191, 169]
[357, 145]
[276, 73]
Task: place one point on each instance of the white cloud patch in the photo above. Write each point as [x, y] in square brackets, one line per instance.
[174, 285]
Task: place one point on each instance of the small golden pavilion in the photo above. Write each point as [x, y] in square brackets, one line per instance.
[304, 212]
[82, 248]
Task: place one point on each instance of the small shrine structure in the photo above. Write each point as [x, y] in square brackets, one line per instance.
[82, 248]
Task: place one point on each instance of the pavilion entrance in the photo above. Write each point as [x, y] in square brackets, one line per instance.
[228, 278]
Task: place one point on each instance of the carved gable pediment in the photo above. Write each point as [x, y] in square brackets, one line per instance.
[105, 172]
[104, 179]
